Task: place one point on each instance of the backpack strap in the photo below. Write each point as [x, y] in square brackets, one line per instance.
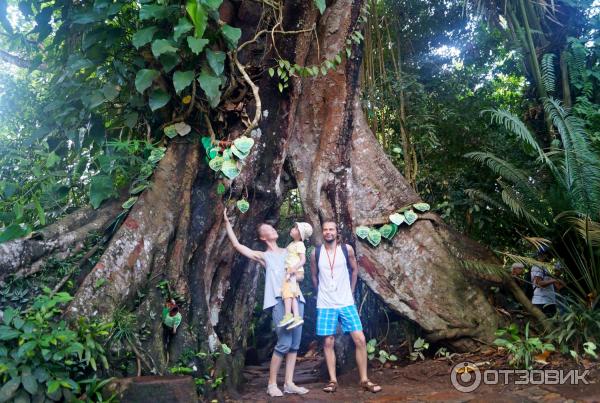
[345, 252]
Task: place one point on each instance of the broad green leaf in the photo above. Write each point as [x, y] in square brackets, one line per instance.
[198, 15]
[220, 189]
[230, 169]
[8, 333]
[14, 231]
[52, 160]
[131, 119]
[225, 348]
[169, 61]
[101, 188]
[320, 5]
[30, 383]
[153, 11]
[183, 26]
[9, 389]
[182, 79]
[362, 232]
[196, 44]
[422, 207]
[129, 203]
[210, 85]
[144, 78]
[410, 217]
[53, 386]
[216, 61]
[237, 152]
[170, 131]
[9, 314]
[386, 231]
[110, 91]
[216, 163]
[232, 35]
[161, 46]
[243, 144]
[40, 211]
[138, 189]
[243, 205]
[397, 218]
[213, 152]
[182, 128]
[374, 237]
[206, 142]
[158, 98]
[143, 36]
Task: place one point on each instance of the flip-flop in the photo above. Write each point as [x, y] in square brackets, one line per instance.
[370, 386]
[331, 387]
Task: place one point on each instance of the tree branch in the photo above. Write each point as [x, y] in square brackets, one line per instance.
[14, 60]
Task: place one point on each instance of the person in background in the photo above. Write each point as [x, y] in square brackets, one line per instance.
[544, 294]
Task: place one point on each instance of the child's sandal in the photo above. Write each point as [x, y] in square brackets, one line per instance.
[370, 386]
[331, 387]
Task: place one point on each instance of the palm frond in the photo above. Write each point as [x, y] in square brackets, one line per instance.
[538, 242]
[501, 167]
[477, 195]
[587, 229]
[581, 163]
[518, 205]
[484, 269]
[528, 261]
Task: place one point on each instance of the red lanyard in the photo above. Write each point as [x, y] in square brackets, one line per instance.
[329, 260]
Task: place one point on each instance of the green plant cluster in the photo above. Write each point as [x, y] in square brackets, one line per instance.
[522, 349]
[44, 356]
[208, 376]
[388, 231]
[382, 356]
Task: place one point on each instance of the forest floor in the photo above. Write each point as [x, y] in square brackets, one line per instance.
[428, 380]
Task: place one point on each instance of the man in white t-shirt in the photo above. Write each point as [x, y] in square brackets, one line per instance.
[330, 264]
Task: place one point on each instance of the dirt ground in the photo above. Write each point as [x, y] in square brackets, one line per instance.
[427, 381]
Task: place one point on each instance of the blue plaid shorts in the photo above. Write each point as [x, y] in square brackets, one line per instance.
[327, 320]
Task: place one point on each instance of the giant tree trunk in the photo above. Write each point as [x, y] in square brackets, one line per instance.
[313, 136]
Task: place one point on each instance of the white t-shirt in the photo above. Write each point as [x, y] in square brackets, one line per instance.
[334, 283]
[274, 275]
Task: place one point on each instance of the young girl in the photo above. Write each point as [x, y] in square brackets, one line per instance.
[294, 262]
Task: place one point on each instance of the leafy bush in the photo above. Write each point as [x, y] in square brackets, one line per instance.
[43, 356]
[577, 330]
[383, 356]
[419, 346]
[521, 349]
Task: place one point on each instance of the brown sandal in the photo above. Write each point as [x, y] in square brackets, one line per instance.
[331, 387]
[370, 386]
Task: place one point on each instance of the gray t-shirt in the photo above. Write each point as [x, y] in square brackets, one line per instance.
[542, 295]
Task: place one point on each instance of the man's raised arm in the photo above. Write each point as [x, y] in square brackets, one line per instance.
[255, 255]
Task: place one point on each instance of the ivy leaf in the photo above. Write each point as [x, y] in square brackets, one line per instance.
[243, 144]
[397, 218]
[198, 15]
[232, 35]
[410, 217]
[386, 231]
[110, 91]
[230, 169]
[320, 5]
[143, 36]
[101, 188]
[210, 85]
[196, 44]
[158, 99]
[362, 232]
[182, 128]
[170, 131]
[220, 189]
[374, 237]
[161, 46]
[206, 142]
[237, 152]
[243, 205]
[216, 61]
[182, 79]
[144, 78]
[422, 207]
[216, 163]
[183, 26]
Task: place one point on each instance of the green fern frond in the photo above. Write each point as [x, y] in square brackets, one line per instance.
[527, 261]
[548, 72]
[519, 206]
[483, 268]
[501, 167]
[576, 62]
[476, 195]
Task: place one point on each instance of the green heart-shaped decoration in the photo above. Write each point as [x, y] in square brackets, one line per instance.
[374, 237]
[230, 169]
[220, 189]
[386, 231]
[362, 232]
[170, 131]
[213, 152]
[410, 217]
[422, 207]
[244, 144]
[238, 153]
[243, 205]
[216, 164]
[182, 128]
[397, 218]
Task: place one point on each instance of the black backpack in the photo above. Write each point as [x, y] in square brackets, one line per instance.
[344, 251]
